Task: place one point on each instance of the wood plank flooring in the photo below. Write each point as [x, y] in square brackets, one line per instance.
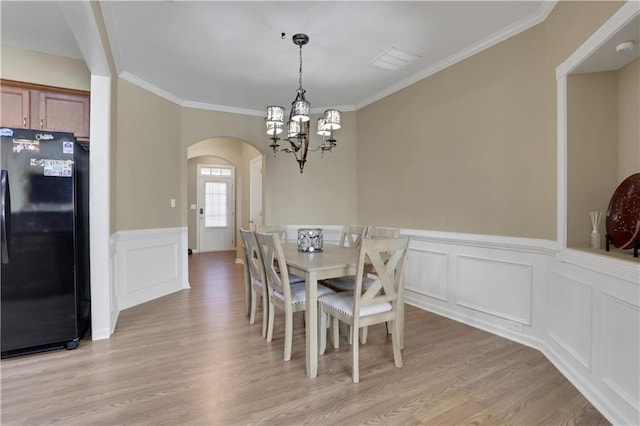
[192, 358]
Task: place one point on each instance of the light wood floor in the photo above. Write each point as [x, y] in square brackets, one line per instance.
[192, 358]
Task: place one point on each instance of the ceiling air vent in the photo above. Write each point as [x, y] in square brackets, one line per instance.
[393, 59]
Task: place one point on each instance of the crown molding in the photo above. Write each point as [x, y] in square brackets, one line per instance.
[150, 87]
[524, 24]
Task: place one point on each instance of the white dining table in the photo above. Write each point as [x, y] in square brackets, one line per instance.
[332, 262]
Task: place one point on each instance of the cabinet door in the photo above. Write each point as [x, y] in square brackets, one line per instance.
[15, 107]
[61, 112]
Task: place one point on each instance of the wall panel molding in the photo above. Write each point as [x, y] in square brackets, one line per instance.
[621, 354]
[148, 264]
[570, 309]
[427, 273]
[584, 313]
[496, 287]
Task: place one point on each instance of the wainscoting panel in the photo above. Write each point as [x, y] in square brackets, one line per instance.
[570, 311]
[621, 357]
[495, 287]
[427, 273]
[149, 264]
[579, 308]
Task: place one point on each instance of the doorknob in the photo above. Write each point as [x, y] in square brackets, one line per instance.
[201, 211]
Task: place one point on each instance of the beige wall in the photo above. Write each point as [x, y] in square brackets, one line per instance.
[147, 161]
[40, 68]
[325, 193]
[473, 147]
[603, 143]
[592, 150]
[469, 149]
[629, 120]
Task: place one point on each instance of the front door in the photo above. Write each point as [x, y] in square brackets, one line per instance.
[216, 222]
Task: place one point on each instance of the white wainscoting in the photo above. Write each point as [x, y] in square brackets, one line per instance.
[493, 283]
[148, 264]
[580, 309]
[570, 316]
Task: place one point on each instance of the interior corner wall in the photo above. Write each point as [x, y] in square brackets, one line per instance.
[147, 160]
[472, 148]
[592, 150]
[629, 120]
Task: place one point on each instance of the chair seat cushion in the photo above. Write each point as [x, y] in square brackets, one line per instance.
[293, 279]
[343, 303]
[348, 283]
[298, 295]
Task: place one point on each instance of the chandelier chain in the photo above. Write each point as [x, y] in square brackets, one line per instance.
[300, 71]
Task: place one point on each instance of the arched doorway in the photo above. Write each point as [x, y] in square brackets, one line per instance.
[221, 152]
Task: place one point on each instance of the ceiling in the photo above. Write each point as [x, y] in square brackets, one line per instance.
[230, 55]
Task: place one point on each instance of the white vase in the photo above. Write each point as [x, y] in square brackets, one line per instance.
[595, 240]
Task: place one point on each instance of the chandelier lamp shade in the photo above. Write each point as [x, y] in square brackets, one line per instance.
[296, 132]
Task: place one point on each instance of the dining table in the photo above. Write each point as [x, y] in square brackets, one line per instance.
[331, 262]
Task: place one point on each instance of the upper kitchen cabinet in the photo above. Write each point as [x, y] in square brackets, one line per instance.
[15, 106]
[41, 107]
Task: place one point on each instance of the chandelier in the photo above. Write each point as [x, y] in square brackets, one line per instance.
[297, 128]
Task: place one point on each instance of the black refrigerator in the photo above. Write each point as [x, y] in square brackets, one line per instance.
[45, 278]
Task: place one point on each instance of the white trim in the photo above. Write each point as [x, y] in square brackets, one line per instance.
[527, 245]
[623, 16]
[223, 108]
[150, 87]
[603, 264]
[81, 19]
[561, 214]
[104, 309]
[516, 28]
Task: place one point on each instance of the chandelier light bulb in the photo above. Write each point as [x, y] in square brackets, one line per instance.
[322, 129]
[332, 119]
[273, 128]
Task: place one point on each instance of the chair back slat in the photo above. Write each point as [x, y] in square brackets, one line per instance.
[385, 259]
[253, 256]
[280, 230]
[275, 264]
[352, 235]
[376, 232]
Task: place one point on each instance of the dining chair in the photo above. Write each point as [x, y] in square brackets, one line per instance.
[255, 266]
[247, 282]
[351, 236]
[381, 232]
[283, 294]
[380, 303]
[281, 230]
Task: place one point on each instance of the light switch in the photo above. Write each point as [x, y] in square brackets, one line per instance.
[193, 206]
[173, 202]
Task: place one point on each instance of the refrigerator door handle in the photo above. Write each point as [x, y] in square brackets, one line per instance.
[5, 214]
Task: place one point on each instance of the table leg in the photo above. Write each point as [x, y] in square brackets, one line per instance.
[311, 316]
